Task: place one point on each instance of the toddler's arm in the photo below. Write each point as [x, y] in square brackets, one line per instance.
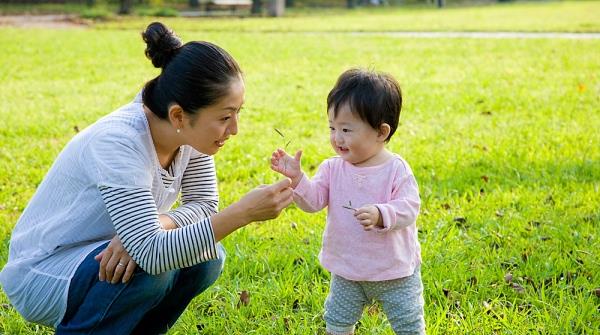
[309, 195]
[402, 210]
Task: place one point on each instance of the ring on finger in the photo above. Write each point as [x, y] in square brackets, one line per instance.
[120, 264]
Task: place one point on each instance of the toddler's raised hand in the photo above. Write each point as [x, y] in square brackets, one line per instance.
[287, 165]
[369, 217]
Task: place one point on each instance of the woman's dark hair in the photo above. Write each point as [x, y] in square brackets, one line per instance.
[194, 75]
[374, 96]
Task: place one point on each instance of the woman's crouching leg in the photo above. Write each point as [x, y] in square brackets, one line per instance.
[99, 307]
[187, 284]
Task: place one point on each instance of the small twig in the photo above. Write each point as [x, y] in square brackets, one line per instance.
[349, 206]
[284, 147]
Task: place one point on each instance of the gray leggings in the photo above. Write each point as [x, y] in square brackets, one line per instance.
[401, 299]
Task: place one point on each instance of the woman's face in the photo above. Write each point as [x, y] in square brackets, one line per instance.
[214, 125]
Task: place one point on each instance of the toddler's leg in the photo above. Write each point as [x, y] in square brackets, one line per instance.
[344, 306]
[402, 301]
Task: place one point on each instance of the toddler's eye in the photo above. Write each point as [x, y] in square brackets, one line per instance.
[345, 130]
[331, 128]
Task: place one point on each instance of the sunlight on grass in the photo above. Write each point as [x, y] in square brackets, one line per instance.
[567, 16]
[502, 136]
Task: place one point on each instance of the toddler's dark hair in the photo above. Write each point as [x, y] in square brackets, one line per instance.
[374, 96]
[194, 75]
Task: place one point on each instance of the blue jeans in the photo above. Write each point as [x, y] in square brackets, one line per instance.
[147, 304]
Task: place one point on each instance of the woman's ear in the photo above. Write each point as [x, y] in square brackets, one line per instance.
[176, 116]
[384, 132]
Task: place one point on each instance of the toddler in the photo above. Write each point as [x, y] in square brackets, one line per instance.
[370, 243]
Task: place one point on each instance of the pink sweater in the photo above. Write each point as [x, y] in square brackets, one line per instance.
[348, 250]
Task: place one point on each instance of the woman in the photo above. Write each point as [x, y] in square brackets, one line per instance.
[98, 249]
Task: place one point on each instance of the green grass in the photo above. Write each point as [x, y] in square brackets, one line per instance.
[501, 133]
[570, 16]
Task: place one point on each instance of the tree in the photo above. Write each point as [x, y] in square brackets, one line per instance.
[125, 7]
[256, 7]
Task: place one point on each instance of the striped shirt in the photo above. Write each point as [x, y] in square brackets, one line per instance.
[107, 181]
[154, 249]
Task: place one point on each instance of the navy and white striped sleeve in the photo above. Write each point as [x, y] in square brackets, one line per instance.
[199, 192]
[155, 250]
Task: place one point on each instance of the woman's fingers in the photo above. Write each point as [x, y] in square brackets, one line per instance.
[115, 263]
[111, 267]
[285, 199]
[98, 257]
[106, 255]
[123, 270]
[267, 202]
[129, 271]
[281, 185]
[119, 271]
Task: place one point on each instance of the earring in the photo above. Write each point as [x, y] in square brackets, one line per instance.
[178, 130]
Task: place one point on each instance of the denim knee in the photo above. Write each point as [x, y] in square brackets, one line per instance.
[153, 286]
[201, 276]
[213, 268]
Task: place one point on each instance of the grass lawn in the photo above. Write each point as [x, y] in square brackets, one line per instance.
[502, 136]
[569, 16]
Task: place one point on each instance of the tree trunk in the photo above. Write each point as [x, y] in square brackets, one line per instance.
[256, 7]
[125, 7]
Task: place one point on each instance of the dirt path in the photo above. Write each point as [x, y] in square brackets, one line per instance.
[55, 21]
[65, 21]
[486, 35]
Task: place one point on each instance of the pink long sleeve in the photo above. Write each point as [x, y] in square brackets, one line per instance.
[313, 195]
[349, 251]
[402, 210]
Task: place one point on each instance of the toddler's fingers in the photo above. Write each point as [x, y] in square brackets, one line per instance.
[361, 210]
[362, 216]
[364, 222]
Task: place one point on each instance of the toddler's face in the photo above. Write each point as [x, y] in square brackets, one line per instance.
[353, 139]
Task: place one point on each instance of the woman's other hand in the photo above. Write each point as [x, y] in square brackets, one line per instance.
[287, 165]
[115, 263]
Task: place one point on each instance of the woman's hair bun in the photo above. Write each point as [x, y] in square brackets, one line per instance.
[161, 44]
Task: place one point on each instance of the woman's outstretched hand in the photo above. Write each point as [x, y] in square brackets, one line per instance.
[262, 203]
[115, 263]
[287, 165]
[266, 201]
